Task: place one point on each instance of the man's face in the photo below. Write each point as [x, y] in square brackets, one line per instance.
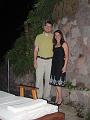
[48, 28]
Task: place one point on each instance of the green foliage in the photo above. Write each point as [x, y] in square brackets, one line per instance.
[88, 116]
[43, 10]
[69, 85]
[21, 57]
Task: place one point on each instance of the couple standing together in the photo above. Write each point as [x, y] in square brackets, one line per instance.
[50, 62]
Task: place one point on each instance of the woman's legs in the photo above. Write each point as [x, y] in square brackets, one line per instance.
[58, 94]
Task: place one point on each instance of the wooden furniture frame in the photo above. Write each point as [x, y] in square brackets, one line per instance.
[53, 116]
[33, 90]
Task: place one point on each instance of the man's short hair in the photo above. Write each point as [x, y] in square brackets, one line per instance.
[47, 21]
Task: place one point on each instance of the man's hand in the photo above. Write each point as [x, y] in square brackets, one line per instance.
[35, 64]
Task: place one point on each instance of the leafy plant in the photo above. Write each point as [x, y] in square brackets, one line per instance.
[21, 57]
[69, 85]
[88, 116]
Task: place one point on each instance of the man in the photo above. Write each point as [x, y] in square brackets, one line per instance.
[43, 53]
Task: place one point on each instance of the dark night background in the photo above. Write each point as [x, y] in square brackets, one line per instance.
[13, 13]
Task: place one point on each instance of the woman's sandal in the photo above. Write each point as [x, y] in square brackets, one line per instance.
[58, 104]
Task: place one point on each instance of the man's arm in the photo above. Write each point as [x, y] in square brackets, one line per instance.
[35, 56]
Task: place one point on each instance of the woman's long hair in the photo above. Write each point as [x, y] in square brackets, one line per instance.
[62, 38]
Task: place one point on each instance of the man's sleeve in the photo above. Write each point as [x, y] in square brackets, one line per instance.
[36, 42]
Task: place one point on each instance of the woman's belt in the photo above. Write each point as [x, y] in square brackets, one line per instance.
[44, 58]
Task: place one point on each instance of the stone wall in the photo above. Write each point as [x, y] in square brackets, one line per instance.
[76, 96]
[77, 34]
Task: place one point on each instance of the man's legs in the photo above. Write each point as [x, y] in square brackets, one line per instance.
[47, 88]
[39, 77]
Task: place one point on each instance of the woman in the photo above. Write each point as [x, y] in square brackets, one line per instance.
[59, 64]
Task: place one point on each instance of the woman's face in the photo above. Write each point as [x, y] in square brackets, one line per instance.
[57, 37]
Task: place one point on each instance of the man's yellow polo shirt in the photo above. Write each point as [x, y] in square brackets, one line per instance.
[45, 45]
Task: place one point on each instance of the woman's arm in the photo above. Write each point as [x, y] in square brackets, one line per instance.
[66, 50]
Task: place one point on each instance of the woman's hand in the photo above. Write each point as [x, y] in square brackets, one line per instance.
[63, 69]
